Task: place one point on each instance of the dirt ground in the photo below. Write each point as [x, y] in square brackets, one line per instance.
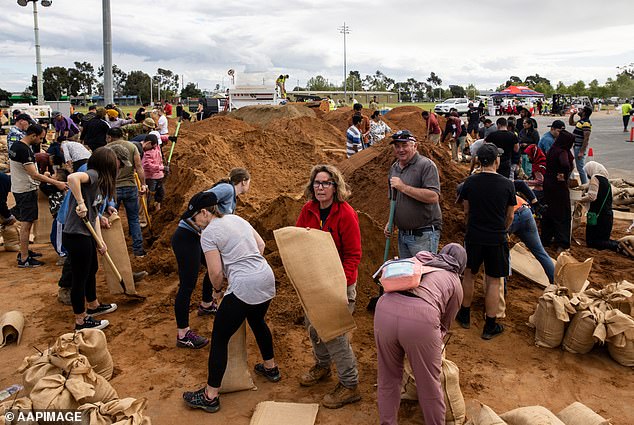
[504, 373]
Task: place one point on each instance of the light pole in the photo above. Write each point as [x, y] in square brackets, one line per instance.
[107, 53]
[344, 30]
[38, 59]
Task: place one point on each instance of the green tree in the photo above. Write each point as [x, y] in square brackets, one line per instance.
[4, 95]
[118, 79]
[378, 82]
[533, 81]
[318, 83]
[457, 91]
[403, 90]
[168, 82]
[190, 90]
[354, 82]
[561, 88]
[471, 91]
[435, 81]
[513, 81]
[137, 83]
[544, 87]
[84, 73]
[57, 83]
[578, 89]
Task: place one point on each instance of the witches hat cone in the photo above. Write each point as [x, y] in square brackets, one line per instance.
[631, 133]
[590, 154]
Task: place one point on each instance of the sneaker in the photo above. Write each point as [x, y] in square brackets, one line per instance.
[464, 317]
[198, 400]
[493, 332]
[272, 375]
[191, 340]
[140, 254]
[314, 375]
[35, 254]
[206, 311]
[139, 276]
[63, 296]
[341, 396]
[102, 309]
[30, 262]
[90, 323]
[60, 261]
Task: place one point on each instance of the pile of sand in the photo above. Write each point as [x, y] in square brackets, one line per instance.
[262, 115]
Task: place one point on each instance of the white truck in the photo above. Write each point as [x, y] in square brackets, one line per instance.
[40, 113]
[461, 104]
[240, 96]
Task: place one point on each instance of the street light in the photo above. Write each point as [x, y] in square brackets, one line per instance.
[344, 30]
[38, 59]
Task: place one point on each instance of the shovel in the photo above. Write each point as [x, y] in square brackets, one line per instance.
[386, 254]
[143, 201]
[178, 127]
[109, 260]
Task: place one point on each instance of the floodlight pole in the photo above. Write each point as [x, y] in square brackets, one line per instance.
[344, 30]
[107, 53]
[38, 59]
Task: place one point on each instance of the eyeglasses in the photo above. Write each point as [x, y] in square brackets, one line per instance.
[324, 185]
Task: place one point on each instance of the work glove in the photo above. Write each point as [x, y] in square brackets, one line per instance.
[166, 170]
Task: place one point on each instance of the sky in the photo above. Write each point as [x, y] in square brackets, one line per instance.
[482, 42]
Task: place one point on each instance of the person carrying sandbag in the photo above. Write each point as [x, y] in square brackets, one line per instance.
[328, 210]
[414, 322]
[233, 249]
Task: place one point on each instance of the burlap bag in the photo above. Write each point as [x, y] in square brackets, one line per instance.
[314, 268]
[550, 317]
[11, 237]
[34, 368]
[481, 414]
[42, 227]
[571, 273]
[626, 245]
[450, 381]
[276, 413]
[118, 251]
[531, 415]
[91, 343]
[501, 313]
[24, 403]
[57, 392]
[620, 337]
[579, 337]
[79, 368]
[580, 414]
[11, 327]
[121, 411]
[525, 263]
[237, 376]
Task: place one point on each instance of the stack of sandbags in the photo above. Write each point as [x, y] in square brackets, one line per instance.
[450, 381]
[622, 192]
[575, 414]
[626, 246]
[551, 315]
[91, 343]
[10, 235]
[580, 414]
[481, 414]
[128, 411]
[531, 415]
[23, 404]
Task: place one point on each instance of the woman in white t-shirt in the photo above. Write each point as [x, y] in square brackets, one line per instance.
[233, 250]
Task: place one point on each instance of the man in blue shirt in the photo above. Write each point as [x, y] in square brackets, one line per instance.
[549, 137]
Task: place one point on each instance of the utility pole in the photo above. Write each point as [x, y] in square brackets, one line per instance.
[344, 30]
[107, 53]
[38, 58]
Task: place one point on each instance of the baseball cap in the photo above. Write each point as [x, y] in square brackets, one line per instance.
[56, 114]
[122, 154]
[198, 202]
[149, 122]
[402, 136]
[558, 124]
[487, 153]
[25, 117]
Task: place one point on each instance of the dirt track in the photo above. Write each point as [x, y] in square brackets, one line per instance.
[504, 373]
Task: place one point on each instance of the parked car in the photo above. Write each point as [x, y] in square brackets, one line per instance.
[461, 104]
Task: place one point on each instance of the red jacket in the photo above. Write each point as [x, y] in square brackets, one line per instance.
[343, 225]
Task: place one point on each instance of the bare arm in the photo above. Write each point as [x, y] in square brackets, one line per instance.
[571, 119]
[586, 141]
[139, 167]
[214, 267]
[31, 170]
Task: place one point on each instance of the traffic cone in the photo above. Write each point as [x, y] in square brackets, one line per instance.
[631, 133]
[590, 154]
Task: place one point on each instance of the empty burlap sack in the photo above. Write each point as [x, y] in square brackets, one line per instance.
[580, 414]
[450, 381]
[531, 415]
[571, 273]
[481, 414]
[79, 368]
[121, 411]
[24, 403]
[550, 317]
[11, 326]
[620, 337]
[34, 368]
[525, 263]
[237, 376]
[314, 268]
[57, 392]
[276, 413]
[501, 313]
[11, 237]
[91, 343]
[42, 227]
[579, 337]
[118, 250]
[626, 245]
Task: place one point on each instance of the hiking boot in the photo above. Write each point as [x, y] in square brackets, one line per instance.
[63, 296]
[272, 375]
[191, 340]
[102, 309]
[341, 396]
[90, 323]
[139, 276]
[35, 254]
[198, 400]
[314, 375]
[464, 317]
[489, 333]
[206, 311]
[30, 262]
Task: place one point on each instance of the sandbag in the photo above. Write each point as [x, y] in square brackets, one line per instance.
[118, 250]
[525, 263]
[80, 368]
[11, 237]
[314, 268]
[57, 392]
[42, 227]
[550, 317]
[580, 414]
[531, 415]
[481, 414]
[34, 368]
[24, 404]
[626, 246]
[237, 376]
[450, 381]
[91, 343]
[571, 273]
[121, 411]
[620, 337]
[11, 326]
[275, 413]
[579, 338]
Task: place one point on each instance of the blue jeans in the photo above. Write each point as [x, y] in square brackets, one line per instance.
[129, 195]
[410, 245]
[580, 163]
[525, 228]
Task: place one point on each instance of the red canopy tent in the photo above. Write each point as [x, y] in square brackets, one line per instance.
[517, 91]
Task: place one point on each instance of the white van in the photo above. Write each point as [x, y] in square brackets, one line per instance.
[461, 104]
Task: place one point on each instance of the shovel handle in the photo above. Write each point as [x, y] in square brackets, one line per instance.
[101, 244]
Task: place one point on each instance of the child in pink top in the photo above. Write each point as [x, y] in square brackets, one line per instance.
[153, 168]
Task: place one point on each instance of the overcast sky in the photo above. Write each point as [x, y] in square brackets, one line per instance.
[462, 41]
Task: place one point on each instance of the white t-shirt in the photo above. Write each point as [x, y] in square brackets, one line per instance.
[249, 275]
[162, 125]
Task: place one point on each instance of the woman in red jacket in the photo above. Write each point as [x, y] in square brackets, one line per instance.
[328, 210]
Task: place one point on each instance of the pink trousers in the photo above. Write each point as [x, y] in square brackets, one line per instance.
[408, 326]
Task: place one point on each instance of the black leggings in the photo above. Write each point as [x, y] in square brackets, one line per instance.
[626, 120]
[229, 318]
[189, 257]
[84, 267]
